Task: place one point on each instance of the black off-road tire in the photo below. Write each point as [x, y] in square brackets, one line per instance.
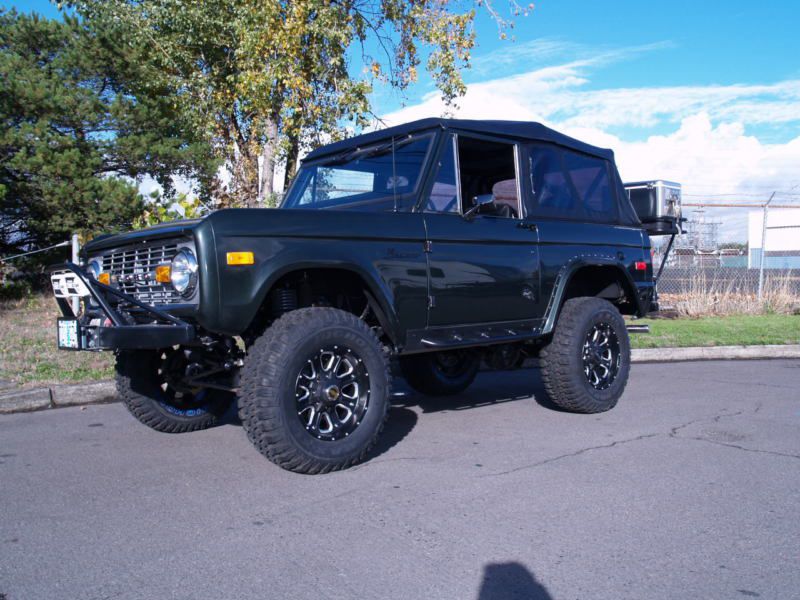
[139, 387]
[267, 397]
[565, 383]
[425, 374]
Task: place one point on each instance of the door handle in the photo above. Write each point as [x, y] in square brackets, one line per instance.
[528, 226]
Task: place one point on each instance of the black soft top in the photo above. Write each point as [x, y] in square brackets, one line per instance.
[524, 130]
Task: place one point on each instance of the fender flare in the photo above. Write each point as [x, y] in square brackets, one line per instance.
[565, 276]
[378, 295]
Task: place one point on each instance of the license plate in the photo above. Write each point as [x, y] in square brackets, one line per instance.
[69, 334]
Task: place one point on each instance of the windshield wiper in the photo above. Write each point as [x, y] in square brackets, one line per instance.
[366, 152]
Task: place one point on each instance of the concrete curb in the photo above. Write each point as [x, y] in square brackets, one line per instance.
[57, 396]
[104, 391]
[644, 355]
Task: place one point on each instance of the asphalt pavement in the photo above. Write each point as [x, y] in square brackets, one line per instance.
[690, 488]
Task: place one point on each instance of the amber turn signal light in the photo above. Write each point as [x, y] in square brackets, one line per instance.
[104, 278]
[241, 258]
[163, 273]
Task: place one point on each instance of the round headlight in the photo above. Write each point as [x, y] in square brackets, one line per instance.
[183, 272]
[95, 267]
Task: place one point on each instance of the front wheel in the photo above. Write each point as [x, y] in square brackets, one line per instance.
[314, 391]
[585, 366]
[441, 373]
[150, 383]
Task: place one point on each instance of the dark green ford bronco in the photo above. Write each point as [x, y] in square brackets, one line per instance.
[437, 245]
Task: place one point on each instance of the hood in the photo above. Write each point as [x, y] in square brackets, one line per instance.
[156, 232]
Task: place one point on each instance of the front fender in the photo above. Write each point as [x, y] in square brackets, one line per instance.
[384, 250]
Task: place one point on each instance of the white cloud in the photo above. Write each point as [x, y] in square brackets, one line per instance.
[707, 148]
[714, 163]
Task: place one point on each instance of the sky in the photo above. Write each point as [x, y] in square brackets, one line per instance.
[703, 93]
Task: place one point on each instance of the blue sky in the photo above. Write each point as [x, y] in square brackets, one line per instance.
[655, 44]
[704, 93]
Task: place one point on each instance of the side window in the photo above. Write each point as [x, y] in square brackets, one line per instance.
[590, 177]
[488, 168]
[444, 193]
[553, 196]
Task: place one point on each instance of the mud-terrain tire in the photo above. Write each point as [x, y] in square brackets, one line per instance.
[590, 338]
[289, 389]
[441, 373]
[144, 392]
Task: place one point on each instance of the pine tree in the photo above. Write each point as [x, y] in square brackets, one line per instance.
[78, 132]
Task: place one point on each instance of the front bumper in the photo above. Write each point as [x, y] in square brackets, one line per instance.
[115, 332]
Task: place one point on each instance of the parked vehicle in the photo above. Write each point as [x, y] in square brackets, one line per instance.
[440, 244]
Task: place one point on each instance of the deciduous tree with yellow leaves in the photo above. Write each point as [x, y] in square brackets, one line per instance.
[261, 80]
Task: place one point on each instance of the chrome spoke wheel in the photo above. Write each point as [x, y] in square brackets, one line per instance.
[332, 393]
[601, 356]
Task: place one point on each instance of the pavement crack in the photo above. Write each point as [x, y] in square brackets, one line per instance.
[715, 419]
[571, 454]
[737, 447]
[759, 405]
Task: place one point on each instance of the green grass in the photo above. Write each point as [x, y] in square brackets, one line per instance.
[742, 330]
[28, 353]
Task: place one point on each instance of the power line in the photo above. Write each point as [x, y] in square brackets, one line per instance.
[736, 205]
[721, 195]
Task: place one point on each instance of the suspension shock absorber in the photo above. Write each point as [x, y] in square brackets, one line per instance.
[283, 301]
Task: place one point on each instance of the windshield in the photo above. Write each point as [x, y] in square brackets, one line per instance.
[372, 178]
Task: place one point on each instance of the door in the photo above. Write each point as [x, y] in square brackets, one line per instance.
[483, 262]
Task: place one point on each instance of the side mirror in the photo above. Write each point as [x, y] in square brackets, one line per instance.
[477, 202]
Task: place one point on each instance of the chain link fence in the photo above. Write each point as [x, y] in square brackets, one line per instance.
[737, 280]
[709, 286]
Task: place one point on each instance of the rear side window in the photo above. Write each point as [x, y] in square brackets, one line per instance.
[590, 177]
[553, 195]
[570, 185]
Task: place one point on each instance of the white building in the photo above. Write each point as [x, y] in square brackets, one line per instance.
[783, 238]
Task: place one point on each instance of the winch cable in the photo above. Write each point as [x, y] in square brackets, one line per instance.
[59, 245]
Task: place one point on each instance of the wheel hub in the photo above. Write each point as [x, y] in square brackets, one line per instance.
[601, 356]
[332, 392]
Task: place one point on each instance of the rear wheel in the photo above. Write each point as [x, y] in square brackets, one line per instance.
[151, 384]
[585, 367]
[441, 373]
[315, 390]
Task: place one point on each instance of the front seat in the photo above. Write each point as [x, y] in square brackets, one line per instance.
[505, 199]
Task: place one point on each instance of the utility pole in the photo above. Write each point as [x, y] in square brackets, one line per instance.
[763, 248]
[76, 247]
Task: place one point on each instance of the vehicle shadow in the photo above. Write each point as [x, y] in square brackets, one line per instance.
[490, 387]
[508, 581]
[399, 424]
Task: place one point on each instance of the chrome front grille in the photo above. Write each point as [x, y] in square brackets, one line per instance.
[133, 271]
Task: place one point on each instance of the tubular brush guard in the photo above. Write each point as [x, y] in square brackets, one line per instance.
[121, 336]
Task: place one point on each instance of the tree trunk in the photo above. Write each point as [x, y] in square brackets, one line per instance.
[268, 155]
[291, 161]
